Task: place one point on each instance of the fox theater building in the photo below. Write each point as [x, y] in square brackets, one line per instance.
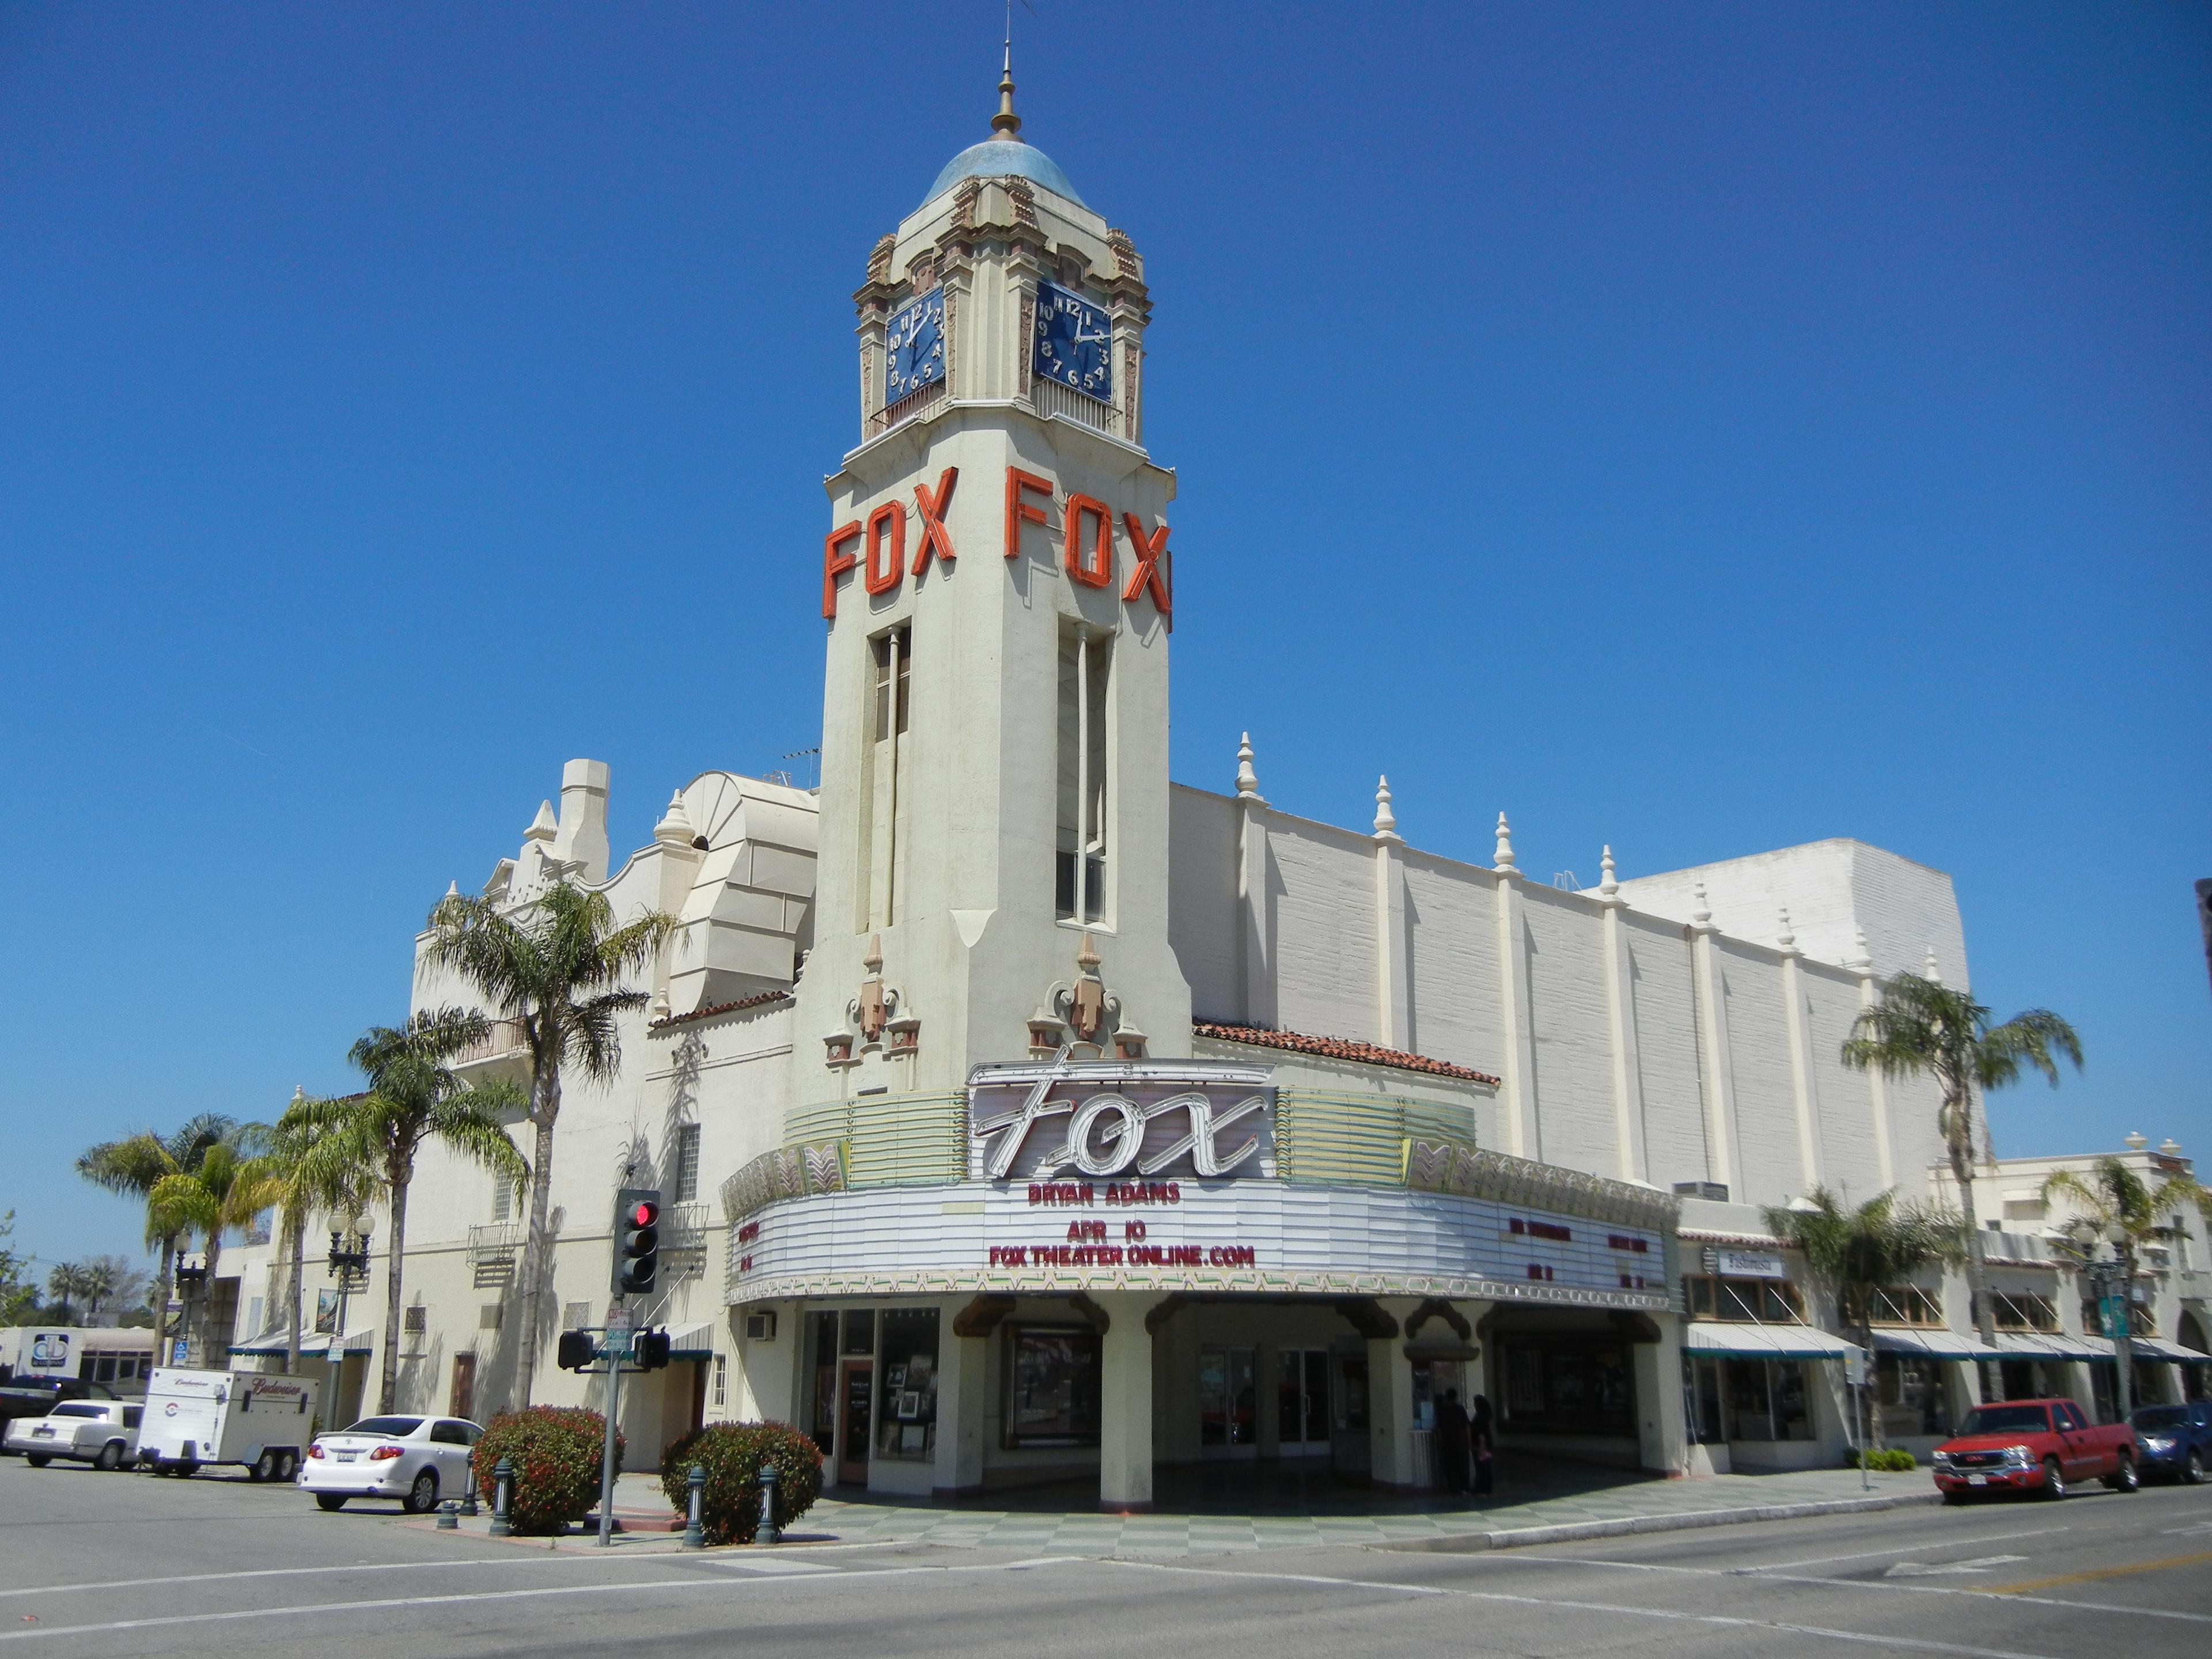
[1023, 1116]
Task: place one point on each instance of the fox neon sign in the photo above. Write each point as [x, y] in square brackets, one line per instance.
[877, 545]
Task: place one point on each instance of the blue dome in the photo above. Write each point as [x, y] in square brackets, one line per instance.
[1000, 158]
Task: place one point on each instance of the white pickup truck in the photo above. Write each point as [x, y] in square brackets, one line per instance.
[261, 1422]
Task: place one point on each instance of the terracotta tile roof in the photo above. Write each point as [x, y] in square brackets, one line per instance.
[1365, 1054]
[758, 999]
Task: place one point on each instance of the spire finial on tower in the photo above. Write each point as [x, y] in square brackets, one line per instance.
[1247, 781]
[1862, 959]
[1786, 940]
[1386, 821]
[1702, 917]
[1005, 123]
[1933, 975]
[1608, 882]
[1504, 846]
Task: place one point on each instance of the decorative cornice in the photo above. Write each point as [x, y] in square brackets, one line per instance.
[1321, 1048]
[758, 999]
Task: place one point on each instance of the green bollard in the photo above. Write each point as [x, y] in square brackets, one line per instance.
[695, 1534]
[502, 1496]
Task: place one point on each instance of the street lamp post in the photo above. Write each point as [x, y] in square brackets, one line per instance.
[2115, 1294]
[349, 1265]
[191, 1279]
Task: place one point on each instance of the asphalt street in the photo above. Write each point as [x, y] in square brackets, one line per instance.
[125, 1564]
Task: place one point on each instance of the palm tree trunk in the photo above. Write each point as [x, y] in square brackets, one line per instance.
[390, 1386]
[537, 1249]
[1977, 1266]
[203, 1312]
[296, 1231]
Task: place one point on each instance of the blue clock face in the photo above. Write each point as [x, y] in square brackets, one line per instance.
[1075, 342]
[916, 341]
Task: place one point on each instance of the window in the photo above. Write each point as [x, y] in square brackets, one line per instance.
[252, 1317]
[2017, 1311]
[1052, 1386]
[132, 1415]
[1081, 850]
[1904, 1304]
[415, 1321]
[884, 811]
[686, 1163]
[721, 1380]
[1563, 1388]
[502, 1198]
[1910, 1394]
[575, 1315]
[449, 1433]
[1754, 1301]
[257, 1230]
[906, 1408]
[489, 1315]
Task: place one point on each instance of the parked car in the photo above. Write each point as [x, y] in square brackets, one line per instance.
[101, 1433]
[35, 1396]
[2175, 1442]
[2034, 1445]
[411, 1459]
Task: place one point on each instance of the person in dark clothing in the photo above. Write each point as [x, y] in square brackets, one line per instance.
[1452, 1441]
[1480, 1442]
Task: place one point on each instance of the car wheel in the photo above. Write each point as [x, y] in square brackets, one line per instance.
[423, 1496]
[329, 1500]
[38, 1460]
[110, 1458]
[266, 1465]
[2054, 1479]
[2124, 1478]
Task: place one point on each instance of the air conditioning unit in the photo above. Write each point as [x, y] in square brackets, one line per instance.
[760, 1327]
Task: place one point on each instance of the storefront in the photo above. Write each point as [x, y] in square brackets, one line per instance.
[1763, 1396]
[1179, 1263]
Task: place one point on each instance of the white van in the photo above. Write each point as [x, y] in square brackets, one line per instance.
[263, 1422]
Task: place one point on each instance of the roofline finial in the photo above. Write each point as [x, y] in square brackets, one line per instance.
[1005, 123]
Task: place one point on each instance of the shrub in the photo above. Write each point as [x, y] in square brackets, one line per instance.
[1894, 1458]
[556, 1452]
[733, 1452]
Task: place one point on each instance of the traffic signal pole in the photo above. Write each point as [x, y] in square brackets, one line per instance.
[617, 1346]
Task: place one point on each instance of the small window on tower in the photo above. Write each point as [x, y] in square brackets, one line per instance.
[687, 1163]
[883, 779]
[1080, 866]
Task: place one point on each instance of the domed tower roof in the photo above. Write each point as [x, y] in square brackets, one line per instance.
[1003, 154]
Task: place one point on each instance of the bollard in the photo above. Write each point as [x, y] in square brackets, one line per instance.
[694, 1535]
[768, 1532]
[469, 1497]
[449, 1516]
[502, 1495]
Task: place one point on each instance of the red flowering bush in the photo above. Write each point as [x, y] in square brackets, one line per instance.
[732, 1454]
[555, 1452]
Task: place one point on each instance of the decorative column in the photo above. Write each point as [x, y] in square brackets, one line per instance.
[1391, 1021]
[1621, 1021]
[1713, 1047]
[1662, 1431]
[1801, 1056]
[1255, 946]
[1124, 1405]
[1516, 1037]
[1862, 964]
[1390, 1402]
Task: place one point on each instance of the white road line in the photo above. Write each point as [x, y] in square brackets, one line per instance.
[1829, 1560]
[1867, 1637]
[534, 1560]
[325, 1608]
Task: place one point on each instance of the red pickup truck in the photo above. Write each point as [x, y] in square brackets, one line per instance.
[2034, 1446]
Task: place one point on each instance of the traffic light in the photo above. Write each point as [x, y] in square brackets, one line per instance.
[648, 1350]
[577, 1350]
[637, 1240]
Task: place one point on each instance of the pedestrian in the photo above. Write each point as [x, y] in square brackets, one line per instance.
[1480, 1441]
[1452, 1441]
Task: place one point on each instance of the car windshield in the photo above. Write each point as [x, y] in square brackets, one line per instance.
[2160, 1417]
[2004, 1420]
[76, 1411]
[399, 1427]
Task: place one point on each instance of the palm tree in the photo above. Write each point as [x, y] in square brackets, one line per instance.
[224, 1190]
[1923, 1028]
[303, 1178]
[69, 1285]
[2118, 1205]
[136, 1165]
[1855, 1253]
[372, 1140]
[558, 965]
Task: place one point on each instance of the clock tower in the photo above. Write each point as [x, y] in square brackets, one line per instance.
[998, 593]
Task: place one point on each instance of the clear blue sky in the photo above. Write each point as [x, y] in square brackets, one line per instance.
[1703, 428]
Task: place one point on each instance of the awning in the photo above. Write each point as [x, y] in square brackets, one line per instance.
[2153, 1347]
[1934, 1344]
[314, 1345]
[2052, 1345]
[1714, 1336]
[692, 1342]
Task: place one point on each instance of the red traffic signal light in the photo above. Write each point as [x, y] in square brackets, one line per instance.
[637, 1240]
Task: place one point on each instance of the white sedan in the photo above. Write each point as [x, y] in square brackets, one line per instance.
[411, 1459]
[101, 1433]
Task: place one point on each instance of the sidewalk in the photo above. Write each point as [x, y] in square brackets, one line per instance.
[1628, 1505]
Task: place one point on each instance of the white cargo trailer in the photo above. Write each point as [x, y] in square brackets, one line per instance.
[259, 1421]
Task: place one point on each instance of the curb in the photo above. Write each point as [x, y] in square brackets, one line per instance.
[1569, 1532]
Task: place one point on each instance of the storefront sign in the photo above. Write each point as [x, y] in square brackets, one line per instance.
[1749, 1264]
[1125, 1129]
[47, 1351]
